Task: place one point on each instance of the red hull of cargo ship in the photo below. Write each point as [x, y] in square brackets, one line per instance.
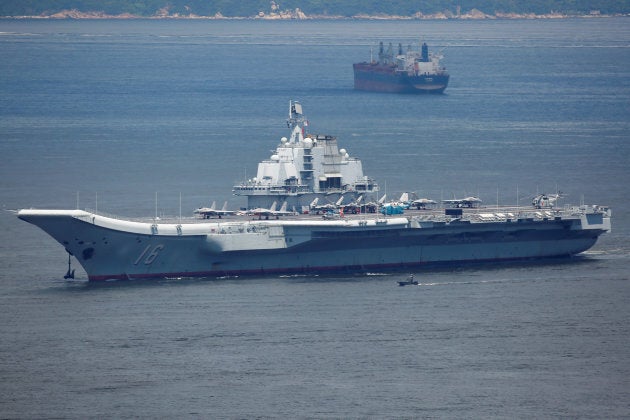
[385, 78]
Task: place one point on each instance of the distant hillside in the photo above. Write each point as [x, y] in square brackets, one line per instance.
[302, 9]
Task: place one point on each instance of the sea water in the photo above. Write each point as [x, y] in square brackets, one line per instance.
[146, 117]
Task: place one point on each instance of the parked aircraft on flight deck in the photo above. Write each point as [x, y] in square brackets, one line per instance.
[319, 208]
[543, 200]
[422, 203]
[467, 202]
[260, 212]
[207, 212]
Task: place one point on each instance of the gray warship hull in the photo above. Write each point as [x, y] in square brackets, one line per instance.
[109, 248]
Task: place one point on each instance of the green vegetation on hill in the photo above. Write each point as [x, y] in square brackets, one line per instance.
[343, 8]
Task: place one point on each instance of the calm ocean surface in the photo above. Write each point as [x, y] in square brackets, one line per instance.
[109, 113]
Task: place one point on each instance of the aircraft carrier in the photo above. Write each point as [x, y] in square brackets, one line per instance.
[263, 241]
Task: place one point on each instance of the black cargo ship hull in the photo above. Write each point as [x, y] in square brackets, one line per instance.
[377, 78]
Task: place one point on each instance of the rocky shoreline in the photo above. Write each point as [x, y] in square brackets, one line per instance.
[297, 14]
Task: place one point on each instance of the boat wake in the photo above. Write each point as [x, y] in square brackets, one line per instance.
[609, 254]
[293, 276]
[458, 283]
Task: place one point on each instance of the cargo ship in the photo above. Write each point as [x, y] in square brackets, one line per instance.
[265, 241]
[409, 71]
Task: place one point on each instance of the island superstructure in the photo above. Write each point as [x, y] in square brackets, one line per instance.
[305, 167]
[409, 71]
[286, 242]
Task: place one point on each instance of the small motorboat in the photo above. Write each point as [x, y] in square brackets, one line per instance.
[409, 282]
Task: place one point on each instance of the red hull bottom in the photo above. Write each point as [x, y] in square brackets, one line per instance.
[376, 86]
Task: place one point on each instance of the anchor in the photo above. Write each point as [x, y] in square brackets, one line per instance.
[70, 272]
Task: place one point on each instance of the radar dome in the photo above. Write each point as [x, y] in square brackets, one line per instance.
[342, 151]
[308, 143]
[283, 140]
[275, 158]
